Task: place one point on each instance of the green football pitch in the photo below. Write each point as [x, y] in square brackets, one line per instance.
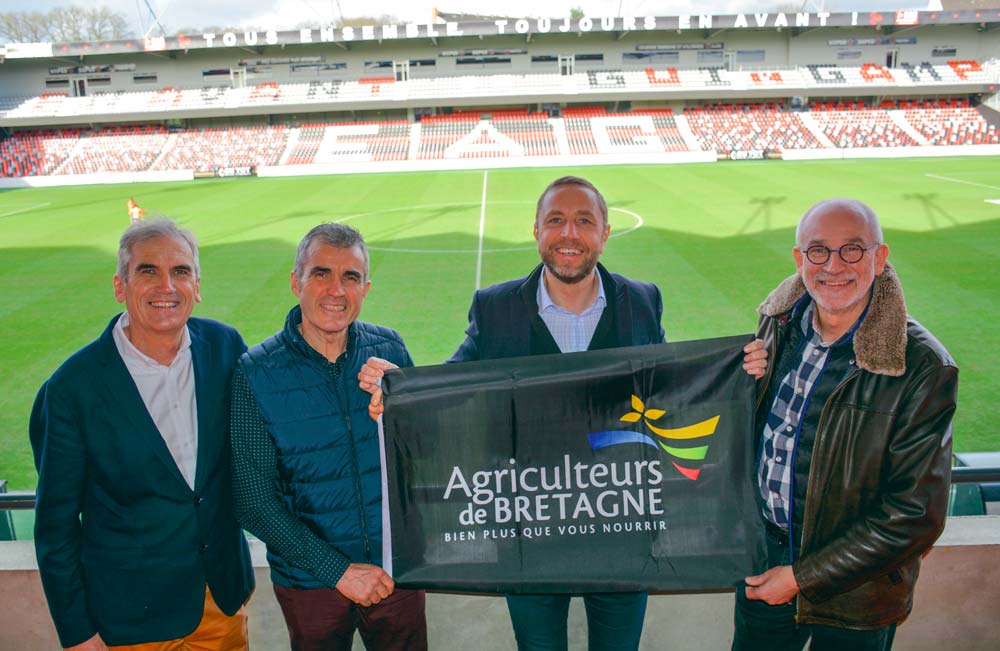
[715, 238]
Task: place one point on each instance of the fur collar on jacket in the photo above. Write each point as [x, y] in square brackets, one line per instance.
[880, 342]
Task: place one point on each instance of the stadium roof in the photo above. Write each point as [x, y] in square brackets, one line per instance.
[619, 27]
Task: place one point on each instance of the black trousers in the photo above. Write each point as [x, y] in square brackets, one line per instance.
[761, 627]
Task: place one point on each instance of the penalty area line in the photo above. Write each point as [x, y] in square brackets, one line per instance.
[482, 231]
[18, 212]
[948, 178]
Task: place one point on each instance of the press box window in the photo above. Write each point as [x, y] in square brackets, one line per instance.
[463, 61]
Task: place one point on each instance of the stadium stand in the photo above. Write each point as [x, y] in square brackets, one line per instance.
[306, 144]
[581, 131]
[592, 130]
[578, 130]
[950, 122]
[745, 127]
[647, 81]
[851, 124]
[532, 130]
[206, 150]
[661, 91]
[116, 149]
[36, 153]
[353, 141]
[439, 132]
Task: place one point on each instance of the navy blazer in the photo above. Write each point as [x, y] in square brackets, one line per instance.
[504, 320]
[125, 547]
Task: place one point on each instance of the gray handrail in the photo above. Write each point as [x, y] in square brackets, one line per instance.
[959, 475]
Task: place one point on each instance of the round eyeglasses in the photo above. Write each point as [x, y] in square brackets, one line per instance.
[849, 253]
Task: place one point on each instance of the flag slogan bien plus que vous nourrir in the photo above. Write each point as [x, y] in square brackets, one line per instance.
[611, 470]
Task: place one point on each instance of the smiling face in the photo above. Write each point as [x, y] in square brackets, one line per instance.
[159, 289]
[571, 232]
[839, 289]
[331, 291]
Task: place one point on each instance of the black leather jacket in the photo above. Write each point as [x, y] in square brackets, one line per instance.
[880, 469]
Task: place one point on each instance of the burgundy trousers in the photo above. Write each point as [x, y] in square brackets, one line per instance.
[325, 620]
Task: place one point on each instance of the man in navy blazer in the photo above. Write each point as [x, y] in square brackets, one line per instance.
[504, 319]
[568, 303]
[134, 529]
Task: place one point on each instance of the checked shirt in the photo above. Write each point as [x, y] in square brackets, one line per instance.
[774, 470]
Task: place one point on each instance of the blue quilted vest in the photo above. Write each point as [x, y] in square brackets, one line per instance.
[327, 446]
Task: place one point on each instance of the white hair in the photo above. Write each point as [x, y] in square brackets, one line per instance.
[148, 230]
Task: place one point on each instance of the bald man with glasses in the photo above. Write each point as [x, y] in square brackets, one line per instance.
[853, 444]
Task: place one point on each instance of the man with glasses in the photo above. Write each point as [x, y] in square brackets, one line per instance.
[854, 444]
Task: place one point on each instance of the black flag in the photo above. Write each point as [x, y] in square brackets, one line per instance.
[612, 470]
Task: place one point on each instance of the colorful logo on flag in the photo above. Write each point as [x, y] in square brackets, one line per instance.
[665, 438]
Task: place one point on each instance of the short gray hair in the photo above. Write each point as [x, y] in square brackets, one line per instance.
[150, 229]
[337, 235]
[859, 208]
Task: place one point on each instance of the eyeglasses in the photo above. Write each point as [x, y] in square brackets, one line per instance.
[849, 253]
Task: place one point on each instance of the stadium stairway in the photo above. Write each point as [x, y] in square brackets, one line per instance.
[414, 149]
[167, 146]
[77, 147]
[854, 125]
[810, 123]
[559, 133]
[993, 102]
[899, 117]
[293, 141]
[308, 139]
[991, 113]
[685, 130]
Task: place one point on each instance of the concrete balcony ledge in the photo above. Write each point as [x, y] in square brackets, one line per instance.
[954, 608]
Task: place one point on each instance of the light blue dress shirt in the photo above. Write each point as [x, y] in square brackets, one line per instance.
[571, 331]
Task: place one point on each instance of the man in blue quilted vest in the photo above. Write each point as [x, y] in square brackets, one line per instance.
[306, 473]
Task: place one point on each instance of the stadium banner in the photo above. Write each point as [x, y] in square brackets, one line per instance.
[611, 470]
[269, 35]
[744, 154]
[750, 154]
[246, 170]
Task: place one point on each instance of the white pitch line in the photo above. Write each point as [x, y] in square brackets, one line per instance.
[482, 232]
[17, 212]
[978, 185]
